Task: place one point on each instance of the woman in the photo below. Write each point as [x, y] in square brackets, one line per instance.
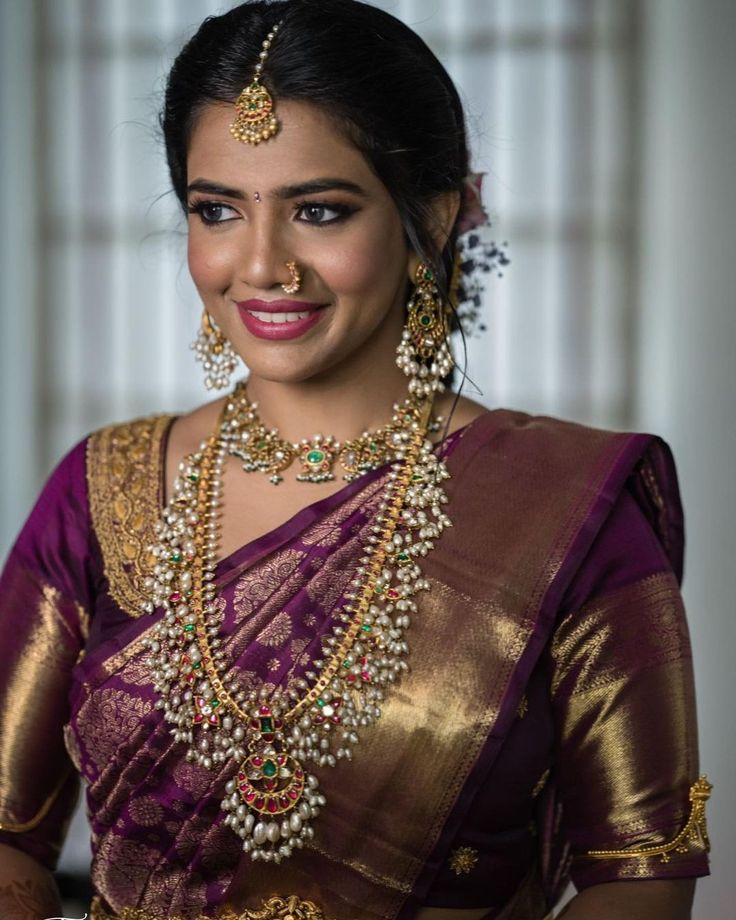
[206, 647]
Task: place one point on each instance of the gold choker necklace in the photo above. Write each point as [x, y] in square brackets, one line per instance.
[263, 449]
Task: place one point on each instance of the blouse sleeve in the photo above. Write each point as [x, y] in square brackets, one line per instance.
[624, 711]
[45, 598]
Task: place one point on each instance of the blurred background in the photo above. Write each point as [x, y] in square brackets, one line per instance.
[607, 129]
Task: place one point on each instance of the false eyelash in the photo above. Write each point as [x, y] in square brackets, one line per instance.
[198, 207]
[343, 211]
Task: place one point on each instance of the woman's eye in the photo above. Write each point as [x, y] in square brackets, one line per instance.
[212, 212]
[316, 213]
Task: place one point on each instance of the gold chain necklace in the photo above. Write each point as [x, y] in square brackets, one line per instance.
[271, 800]
[263, 449]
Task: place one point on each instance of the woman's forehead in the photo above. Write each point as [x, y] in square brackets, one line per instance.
[309, 144]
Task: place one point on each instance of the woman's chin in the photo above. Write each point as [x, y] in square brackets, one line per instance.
[286, 371]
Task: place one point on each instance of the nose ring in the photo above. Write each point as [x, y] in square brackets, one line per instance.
[296, 279]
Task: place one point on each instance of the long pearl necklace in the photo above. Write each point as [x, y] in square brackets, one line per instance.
[269, 736]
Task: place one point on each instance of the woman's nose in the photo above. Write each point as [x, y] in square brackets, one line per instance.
[264, 256]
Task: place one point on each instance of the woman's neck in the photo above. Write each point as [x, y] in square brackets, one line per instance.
[337, 406]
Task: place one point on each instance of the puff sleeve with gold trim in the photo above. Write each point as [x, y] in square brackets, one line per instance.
[624, 707]
[46, 592]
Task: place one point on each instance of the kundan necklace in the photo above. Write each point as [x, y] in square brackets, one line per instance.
[270, 737]
[263, 449]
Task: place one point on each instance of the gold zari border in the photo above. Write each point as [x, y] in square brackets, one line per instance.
[695, 831]
[123, 480]
[277, 908]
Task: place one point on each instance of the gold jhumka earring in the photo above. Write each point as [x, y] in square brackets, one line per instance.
[255, 121]
[296, 279]
[215, 353]
[424, 353]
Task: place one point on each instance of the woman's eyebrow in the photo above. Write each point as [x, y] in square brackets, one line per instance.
[284, 192]
[213, 188]
[318, 185]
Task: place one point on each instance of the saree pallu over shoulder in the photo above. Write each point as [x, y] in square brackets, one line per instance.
[527, 499]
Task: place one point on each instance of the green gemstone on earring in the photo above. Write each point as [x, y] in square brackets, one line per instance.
[425, 320]
[269, 769]
[428, 274]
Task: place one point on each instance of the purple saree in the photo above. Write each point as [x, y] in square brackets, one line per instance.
[546, 727]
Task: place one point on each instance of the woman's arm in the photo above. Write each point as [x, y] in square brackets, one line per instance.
[651, 899]
[27, 890]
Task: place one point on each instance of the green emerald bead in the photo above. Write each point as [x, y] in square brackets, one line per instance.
[269, 769]
[402, 557]
[366, 627]
[193, 477]
[175, 557]
[266, 725]
[346, 664]
[378, 589]
[373, 447]
[197, 666]
[189, 627]
[214, 703]
[321, 702]
[425, 320]
[315, 456]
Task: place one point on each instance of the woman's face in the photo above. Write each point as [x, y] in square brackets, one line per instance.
[306, 195]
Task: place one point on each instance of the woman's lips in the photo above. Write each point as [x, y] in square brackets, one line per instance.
[279, 319]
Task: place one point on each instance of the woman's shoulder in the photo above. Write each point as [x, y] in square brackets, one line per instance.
[127, 468]
[508, 448]
[543, 433]
[142, 443]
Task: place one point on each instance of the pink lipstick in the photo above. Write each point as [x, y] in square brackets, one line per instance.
[279, 320]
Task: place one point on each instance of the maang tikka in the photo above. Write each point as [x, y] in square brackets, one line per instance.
[255, 121]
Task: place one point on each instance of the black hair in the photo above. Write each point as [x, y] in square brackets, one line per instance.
[372, 74]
